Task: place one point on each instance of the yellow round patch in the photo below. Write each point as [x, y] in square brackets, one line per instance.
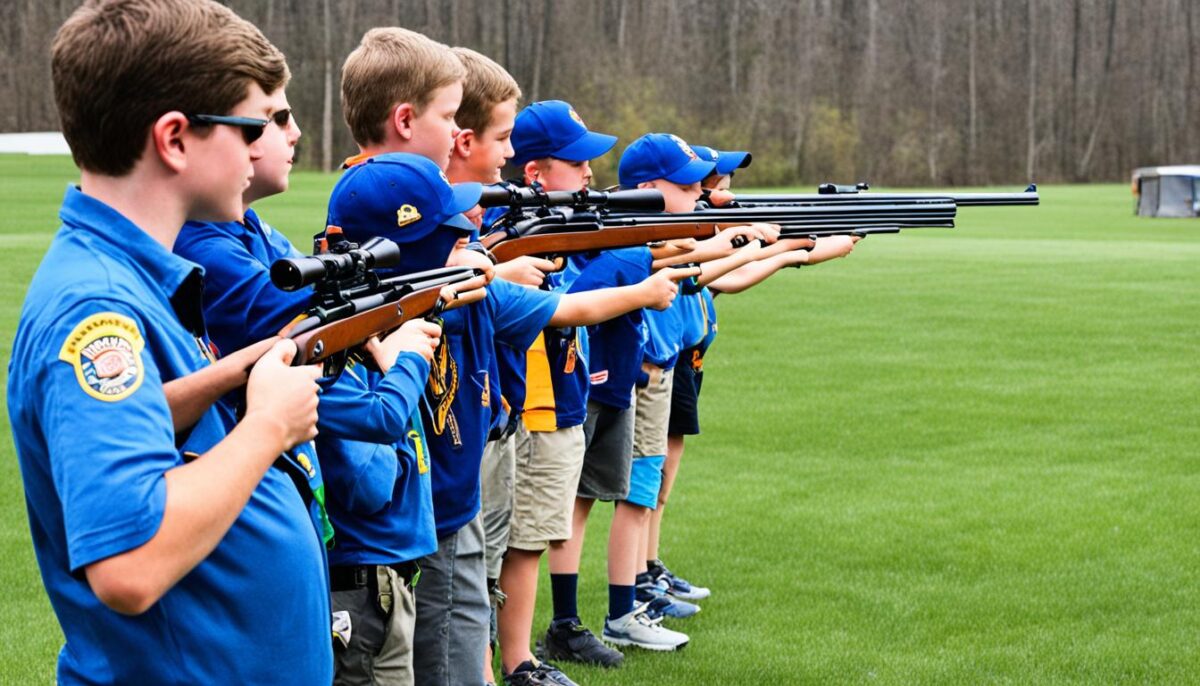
[106, 352]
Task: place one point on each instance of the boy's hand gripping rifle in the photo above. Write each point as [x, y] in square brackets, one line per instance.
[351, 303]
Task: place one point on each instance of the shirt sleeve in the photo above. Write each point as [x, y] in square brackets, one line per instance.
[354, 409]
[519, 313]
[241, 305]
[108, 430]
[613, 268]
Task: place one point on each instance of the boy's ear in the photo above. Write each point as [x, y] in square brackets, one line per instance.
[531, 171]
[462, 143]
[166, 137]
[402, 118]
[646, 184]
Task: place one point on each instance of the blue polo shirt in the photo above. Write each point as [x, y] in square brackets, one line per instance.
[615, 347]
[512, 315]
[378, 486]
[110, 317]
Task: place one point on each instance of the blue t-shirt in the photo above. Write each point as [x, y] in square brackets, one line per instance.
[662, 336]
[110, 317]
[510, 364]
[457, 430]
[614, 346]
[369, 430]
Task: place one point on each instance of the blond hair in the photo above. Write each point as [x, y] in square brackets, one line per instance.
[392, 66]
[486, 85]
[118, 65]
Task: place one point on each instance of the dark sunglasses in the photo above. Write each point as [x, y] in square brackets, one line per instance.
[282, 117]
[252, 129]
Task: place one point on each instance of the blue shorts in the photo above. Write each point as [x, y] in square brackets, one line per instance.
[645, 479]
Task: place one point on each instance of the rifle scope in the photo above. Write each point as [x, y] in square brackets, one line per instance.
[636, 200]
[350, 260]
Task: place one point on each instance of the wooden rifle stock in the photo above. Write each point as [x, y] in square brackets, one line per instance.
[321, 342]
[506, 248]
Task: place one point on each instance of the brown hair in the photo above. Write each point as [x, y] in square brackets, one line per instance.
[118, 65]
[392, 66]
[487, 84]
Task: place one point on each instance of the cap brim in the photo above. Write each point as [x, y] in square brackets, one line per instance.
[460, 222]
[728, 161]
[694, 171]
[589, 146]
[466, 196]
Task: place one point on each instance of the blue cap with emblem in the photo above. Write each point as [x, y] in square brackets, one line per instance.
[727, 160]
[662, 156]
[405, 198]
[552, 128]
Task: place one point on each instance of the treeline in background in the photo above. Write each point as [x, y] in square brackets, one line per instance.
[897, 92]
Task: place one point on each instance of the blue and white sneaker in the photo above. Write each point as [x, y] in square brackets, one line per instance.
[638, 629]
[659, 604]
[680, 588]
[673, 608]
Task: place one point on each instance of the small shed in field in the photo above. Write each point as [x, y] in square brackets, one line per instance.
[1167, 191]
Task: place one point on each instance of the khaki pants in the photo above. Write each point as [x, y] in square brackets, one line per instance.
[496, 483]
[547, 478]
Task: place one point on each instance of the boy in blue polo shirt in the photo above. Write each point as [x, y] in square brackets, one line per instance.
[164, 554]
[368, 201]
[552, 148]
[378, 491]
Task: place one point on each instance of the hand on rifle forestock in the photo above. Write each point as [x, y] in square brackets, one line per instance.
[729, 240]
[466, 292]
[461, 256]
[526, 270]
[661, 287]
[283, 396]
[418, 336]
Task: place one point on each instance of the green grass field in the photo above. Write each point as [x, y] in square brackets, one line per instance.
[962, 456]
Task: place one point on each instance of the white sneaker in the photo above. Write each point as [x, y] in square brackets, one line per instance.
[639, 630]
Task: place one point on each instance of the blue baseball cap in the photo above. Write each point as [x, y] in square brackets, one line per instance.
[551, 128]
[662, 156]
[405, 198]
[727, 160]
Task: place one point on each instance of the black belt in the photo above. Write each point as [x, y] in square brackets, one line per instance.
[363, 576]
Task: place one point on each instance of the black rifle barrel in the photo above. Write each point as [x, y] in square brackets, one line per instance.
[930, 210]
[1029, 196]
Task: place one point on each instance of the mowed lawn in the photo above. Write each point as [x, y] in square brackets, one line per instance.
[962, 456]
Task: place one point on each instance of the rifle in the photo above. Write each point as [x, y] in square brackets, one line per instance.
[842, 210]
[352, 303]
[558, 223]
[830, 194]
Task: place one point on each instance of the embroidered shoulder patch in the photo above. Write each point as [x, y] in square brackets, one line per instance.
[106, 351]
[406, 215]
